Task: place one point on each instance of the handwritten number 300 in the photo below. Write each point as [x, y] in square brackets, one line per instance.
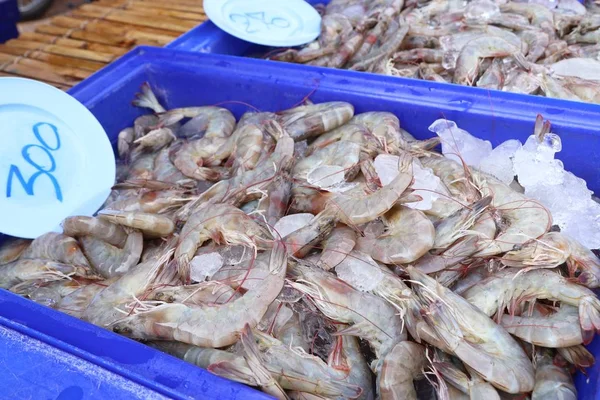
[42, 170]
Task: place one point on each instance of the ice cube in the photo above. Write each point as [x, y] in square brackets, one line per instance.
[291, 223]
[205, 265]
[234, 255]
[534, 163]
[457, 143]
[500, 162]
[427, 185]
[386, 166]
[481, 11]
[326, 176]
[360, 271]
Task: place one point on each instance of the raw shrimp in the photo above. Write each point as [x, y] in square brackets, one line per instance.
[473, 337]
[274, 205]
[522, 219]
[152, 225]
[551, 382]
[216, 326]
[537, 41]
[98, 228]
[112, 261]
[409, 235]
[301, 241]
[141, 167]
[110, 304]
[204, 292]
[74, 304]
[539, 15]
[149, 202]
[147, 99]
[223, 224]
[39, 270]
[577, 355]
[336, 247]
[191, 160]
[11, 249]
[372, 318]
[467, 65]
[474, 386]
[559, 329]
[56, 247]
[46, 293]
[155, 139]
[360, 374]
[165, 171]
[493, 77]
[125, 142]
[218, 122]
[311, 120]
[342, 154]
[457, 225]
[549, 251]
[509, 286]
[401, 366]
[355, 210]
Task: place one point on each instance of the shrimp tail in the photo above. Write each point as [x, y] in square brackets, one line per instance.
[337, 359]
[577, 355]
[589, 318]
[254, 359]
[232, 371]
[147, 99]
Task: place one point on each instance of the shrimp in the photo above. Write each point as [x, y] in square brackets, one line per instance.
[356, 210]
[110, 260]
[473, 385]
[577, 355]
[56, 247]
[46, 293]
[549, 251]
[493, 77]
[372, 318]
[274, 205]
[165, 171]
[312, 120]
[216, 326]
[110, 304]
[336, 247]
[342, 154]
[248, 149]
[457, 225]
[151, 225]
[125, 143]
[537, 41]
[246, 186]
[301, 241]
[204, 292]
[409, 235]
[400, 367]
[509, 286]
[98, 228]
[155, 139]
[75, 303]
[560, 329]
[39, 270]
[223, 224]
[467, 65]
[147, 99]
[551, 382]
[218, 122]
[522, 219]
[142, 167]
[473, 337]
[191, 160]
[153, 202]
[359, 373]
[11, 249]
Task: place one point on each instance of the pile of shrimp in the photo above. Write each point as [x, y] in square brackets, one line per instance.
[269, 251]
[550, 48]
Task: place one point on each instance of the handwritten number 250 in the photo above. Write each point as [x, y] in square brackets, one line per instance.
[42, 170]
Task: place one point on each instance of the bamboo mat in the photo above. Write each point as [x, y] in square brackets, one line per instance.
[70, 47]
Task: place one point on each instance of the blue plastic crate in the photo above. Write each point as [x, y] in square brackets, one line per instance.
[9, 16]
[187, 79]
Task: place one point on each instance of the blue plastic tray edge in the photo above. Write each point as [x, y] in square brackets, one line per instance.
[37, 321]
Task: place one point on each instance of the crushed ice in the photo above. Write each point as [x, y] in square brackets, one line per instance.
[542, 176]
[360, 271]
[205, 266]
[291, 223]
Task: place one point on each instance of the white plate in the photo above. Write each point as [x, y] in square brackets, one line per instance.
[55, 158]
[281, 23]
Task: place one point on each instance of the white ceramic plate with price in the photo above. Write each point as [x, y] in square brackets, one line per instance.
[280, 23]
[55, 158]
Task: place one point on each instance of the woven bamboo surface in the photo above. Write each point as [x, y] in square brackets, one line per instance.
[70, 47]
